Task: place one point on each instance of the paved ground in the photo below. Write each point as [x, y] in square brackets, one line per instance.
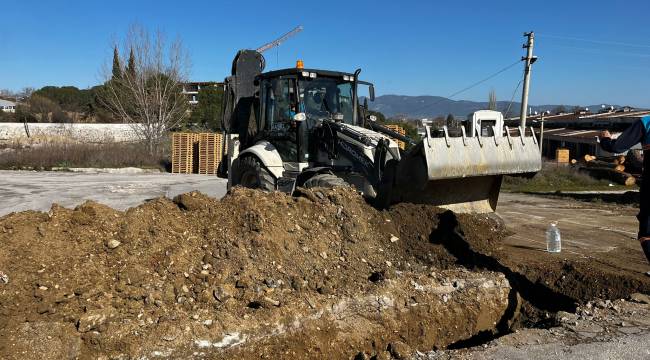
[30, 190]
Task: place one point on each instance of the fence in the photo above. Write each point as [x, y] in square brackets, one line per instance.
[67, 132]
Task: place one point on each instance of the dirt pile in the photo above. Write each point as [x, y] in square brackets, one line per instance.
[266, 275]
[251, 275]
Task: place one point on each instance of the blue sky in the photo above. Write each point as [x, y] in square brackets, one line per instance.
[590, 51]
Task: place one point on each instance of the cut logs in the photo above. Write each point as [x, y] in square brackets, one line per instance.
[605, 164]
[618, 177]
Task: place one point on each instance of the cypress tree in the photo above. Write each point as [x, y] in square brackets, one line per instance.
[117, 69]
[492, 101]
[130, 69]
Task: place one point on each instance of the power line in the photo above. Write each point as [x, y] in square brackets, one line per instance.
[484, 80]
[512, 98]
[603, 51]
[469, 87]
[602, 42]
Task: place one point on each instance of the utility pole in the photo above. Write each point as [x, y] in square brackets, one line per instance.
[541, 132]
[529, 59]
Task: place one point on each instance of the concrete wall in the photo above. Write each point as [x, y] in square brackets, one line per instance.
[87, 133]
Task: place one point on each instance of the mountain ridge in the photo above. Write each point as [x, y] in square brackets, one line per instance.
[430, 106]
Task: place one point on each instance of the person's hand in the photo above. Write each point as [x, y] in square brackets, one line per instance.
[605, 134]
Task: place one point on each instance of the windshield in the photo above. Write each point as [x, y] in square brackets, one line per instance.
[324, 97]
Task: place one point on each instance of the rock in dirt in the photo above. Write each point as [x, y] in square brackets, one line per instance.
[92, 320]
[399, 350]
[640, 298]
[112, 244]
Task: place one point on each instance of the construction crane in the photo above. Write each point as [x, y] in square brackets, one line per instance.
[279, 40]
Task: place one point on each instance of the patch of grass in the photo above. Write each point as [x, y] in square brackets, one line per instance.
[45, 156]
[555, 177]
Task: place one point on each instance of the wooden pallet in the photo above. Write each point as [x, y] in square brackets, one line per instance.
[210, 153]
[183, 153]
[400, 130]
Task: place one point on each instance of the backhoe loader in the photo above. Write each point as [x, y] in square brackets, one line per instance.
[300, 127]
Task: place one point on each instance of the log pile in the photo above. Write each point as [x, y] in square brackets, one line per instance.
[616, 169]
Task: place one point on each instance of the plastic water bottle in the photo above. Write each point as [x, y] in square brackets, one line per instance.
[553, 239]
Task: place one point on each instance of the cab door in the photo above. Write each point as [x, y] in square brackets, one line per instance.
[279, 99]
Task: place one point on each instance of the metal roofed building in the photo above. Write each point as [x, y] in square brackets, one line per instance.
[578, 131]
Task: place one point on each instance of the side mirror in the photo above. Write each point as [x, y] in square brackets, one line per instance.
[372, 118]
[371, 90]
[300, 117]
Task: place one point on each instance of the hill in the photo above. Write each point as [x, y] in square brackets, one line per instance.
[432, 106]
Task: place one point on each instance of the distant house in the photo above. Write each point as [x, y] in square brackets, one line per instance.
[7, 106]
[191, 90]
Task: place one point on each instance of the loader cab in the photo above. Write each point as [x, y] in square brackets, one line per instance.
[485, 123]
[293, 102]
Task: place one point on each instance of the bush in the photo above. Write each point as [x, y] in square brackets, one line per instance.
[555, 177]
[50, 155]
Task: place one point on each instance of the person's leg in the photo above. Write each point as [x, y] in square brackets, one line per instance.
[644, 221]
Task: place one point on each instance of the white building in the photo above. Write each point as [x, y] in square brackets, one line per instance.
[7, 106]
[191, 90]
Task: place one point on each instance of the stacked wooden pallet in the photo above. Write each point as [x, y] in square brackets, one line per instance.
[194, 153]
[183, 153]
[210, 151]
[562, 156]
[400, 130]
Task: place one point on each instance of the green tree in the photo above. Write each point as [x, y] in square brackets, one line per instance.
[207, 113]
[130, 68]
[559, 109]
[380, 117]
[117, 68]
[42, 106]
[451, 121]
[492, 102]
[409, 127]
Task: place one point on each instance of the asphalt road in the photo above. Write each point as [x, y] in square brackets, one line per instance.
[31, 190]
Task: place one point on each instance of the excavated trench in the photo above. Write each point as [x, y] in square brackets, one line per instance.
[255, 275]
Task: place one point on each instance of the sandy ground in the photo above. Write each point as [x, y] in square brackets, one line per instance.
[605, 232]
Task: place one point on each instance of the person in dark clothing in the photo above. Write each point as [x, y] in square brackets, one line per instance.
[638, 132]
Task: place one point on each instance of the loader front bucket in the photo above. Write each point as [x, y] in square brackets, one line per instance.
[464, 173]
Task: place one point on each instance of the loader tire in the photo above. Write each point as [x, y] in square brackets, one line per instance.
[253, 175]
[325, 180]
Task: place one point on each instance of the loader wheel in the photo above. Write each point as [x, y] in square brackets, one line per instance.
[325, 180]
[254, 176]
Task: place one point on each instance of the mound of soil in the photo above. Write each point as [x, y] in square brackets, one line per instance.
[267, 275]
[170, 278]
